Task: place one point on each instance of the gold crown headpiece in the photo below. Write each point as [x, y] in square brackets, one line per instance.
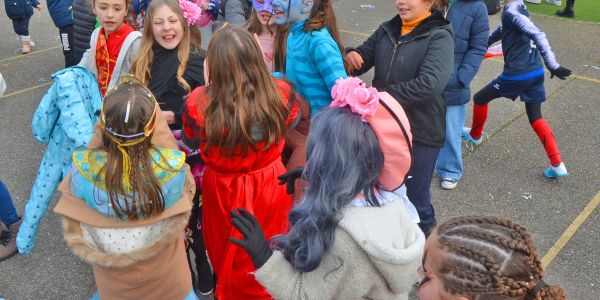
[124, 140]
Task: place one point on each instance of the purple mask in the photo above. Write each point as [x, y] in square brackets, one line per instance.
[266, 5]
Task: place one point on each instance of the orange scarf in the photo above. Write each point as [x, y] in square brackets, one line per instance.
[409, 26]
[107, 52]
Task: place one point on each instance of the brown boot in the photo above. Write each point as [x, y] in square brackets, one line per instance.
[26, 48]
[8, 240]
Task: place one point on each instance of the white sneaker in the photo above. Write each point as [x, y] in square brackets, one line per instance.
[534, 1]
[449, 184]
[555, 172]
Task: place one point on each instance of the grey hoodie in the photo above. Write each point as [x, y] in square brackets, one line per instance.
[380, 249]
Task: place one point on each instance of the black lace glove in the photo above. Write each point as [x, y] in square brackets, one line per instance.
[560, 72]
[254, 241]
[290, 178]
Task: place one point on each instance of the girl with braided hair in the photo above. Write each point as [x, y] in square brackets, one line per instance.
[313, 51]
[483, 258]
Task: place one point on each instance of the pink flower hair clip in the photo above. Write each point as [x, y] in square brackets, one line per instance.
[199, 12]
[354, 93]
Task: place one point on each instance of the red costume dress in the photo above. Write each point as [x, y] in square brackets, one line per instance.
[238, 181]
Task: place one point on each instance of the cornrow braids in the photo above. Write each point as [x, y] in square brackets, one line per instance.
[491, 258]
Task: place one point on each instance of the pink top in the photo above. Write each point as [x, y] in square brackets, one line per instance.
[266, 43]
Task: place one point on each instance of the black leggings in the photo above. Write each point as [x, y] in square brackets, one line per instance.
[204, 280]
[489, 93]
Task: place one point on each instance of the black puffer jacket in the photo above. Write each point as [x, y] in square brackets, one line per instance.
[414, 69]
[84, 23]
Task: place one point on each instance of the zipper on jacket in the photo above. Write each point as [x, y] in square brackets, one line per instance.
[396, 45]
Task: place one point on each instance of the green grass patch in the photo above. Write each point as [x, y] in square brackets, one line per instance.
[585, 10]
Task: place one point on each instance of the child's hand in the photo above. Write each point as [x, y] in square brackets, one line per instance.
[39, 7]
[355, 61]
[560, 72]
[169, 117]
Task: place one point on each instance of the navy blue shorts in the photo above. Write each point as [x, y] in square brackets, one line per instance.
[530, 90]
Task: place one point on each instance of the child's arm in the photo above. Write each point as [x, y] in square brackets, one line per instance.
[74, 118]
[366, 52]
[538, 37]
[495, 35]
[479, 32]
[36, 4]
[327, 57]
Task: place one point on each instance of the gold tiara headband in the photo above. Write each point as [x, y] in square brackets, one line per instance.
[126, 140]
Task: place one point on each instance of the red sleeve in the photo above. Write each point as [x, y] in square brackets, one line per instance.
[192, 118]
[289, 98]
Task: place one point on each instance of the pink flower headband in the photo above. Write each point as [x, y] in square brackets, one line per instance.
[199, 12]
[354, 93]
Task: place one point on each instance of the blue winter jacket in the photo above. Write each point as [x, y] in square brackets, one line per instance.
[64, 120]
[61, 12]
[16, 9]
[471, 27]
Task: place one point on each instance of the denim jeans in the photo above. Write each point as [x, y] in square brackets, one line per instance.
[417, 185]
[8, 213]
[449, 163]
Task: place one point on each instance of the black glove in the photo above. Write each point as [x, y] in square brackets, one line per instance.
[254, 241]
[290, 178]
[560, 72]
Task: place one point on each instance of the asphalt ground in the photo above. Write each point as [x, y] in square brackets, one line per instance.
[503, 176]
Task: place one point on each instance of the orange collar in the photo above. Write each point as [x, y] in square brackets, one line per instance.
[409, 26]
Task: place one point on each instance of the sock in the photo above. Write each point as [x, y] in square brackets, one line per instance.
[479, 116]
[546, 136]
[25, 38]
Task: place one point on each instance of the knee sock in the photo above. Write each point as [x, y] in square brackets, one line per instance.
[546, 136]
[479, 117]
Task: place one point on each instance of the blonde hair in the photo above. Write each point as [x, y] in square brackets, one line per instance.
[142, 61]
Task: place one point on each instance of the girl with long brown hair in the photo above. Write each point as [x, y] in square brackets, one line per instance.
[313, 48]
[125, 204]
[239, 122]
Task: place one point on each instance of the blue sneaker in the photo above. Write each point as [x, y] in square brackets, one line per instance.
[466, 135]
[556, 172]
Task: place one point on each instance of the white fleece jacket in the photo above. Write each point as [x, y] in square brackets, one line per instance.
[376, 255]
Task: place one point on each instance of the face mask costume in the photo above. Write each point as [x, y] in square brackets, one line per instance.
[288, 11]
[263, 5]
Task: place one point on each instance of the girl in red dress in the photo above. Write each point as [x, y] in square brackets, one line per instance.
[239, 122]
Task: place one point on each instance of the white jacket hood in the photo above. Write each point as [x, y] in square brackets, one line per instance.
[392, 241]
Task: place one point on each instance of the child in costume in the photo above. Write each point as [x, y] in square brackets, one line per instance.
[470, 22]
[113, 45]
[412, 55]
[239, 121]
[171, 63]
[125, 204]
[262, 25]
[314, 49]
[19, 12]
[524, 46]
[341, 244]
[483, 258]
[64, 121]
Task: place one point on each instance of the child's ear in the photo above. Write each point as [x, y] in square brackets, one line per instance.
[307, 6]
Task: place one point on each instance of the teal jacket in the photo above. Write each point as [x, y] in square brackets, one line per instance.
[313, 63]
[64, 120]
